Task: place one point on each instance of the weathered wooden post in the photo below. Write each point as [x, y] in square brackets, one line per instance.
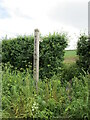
[36, 57]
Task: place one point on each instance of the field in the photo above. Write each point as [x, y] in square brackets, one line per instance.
[70, 56]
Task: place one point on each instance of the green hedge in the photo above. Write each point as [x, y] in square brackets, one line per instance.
[19, 52]
[83, 50]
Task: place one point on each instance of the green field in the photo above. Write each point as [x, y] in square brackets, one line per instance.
[70, 56]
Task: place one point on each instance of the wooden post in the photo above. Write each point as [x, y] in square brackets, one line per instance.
[36, 57]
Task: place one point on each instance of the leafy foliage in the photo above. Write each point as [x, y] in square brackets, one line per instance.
[83, 50]
[54, 100]
[69, 71]
[52, 54]
[19, 52]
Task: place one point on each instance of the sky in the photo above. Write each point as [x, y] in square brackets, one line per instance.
[21, 17]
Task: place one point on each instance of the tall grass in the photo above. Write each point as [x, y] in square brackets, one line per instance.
[21, 100]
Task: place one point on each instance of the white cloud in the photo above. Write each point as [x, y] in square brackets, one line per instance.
[26, 15]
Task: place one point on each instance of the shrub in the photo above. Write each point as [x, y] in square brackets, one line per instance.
[69, 71]
[83, 50]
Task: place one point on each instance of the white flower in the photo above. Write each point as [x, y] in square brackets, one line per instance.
[33, 109]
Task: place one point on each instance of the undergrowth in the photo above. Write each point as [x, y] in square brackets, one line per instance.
[20, 99]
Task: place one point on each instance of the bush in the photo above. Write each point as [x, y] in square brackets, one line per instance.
[19, 52]
[69, 71]
[83, 50]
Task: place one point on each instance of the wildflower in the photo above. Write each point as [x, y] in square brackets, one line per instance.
[32, 109]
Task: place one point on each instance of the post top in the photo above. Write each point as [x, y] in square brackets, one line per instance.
[36, 30]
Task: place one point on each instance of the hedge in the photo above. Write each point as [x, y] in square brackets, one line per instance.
[19, 53]
[83, 51]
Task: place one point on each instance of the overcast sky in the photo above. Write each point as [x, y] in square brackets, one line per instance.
[20, 17]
